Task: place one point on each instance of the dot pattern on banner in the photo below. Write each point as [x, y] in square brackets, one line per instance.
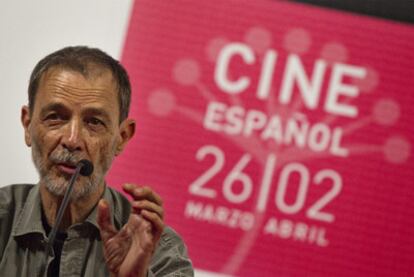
[297, 41]
[334, 52]
[214, 46]
[386, 112]
[369, 83]
[186, 72]
[259, 39]
[397, 150]
[161, 102]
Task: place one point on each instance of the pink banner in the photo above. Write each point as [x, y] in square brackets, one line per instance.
[279, 135]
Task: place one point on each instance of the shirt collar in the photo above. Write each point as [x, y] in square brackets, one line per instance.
[115, 218]
[30, 219]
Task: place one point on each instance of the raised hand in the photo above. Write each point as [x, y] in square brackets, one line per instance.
[128, 251]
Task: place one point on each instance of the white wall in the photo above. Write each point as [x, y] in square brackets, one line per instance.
[29, 30]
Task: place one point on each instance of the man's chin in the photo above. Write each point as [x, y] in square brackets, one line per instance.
[58, 185]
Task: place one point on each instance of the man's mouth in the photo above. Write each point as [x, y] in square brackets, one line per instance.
[66, 168]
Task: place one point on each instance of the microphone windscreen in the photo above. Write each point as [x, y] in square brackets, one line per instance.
[87, 167]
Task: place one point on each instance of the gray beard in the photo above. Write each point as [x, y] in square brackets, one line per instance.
[58, 185]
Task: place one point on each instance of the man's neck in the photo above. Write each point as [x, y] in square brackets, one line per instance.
[76, 211]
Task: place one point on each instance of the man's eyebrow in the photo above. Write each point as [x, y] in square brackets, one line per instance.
[98, 112]
[88, 111]
[53, 107]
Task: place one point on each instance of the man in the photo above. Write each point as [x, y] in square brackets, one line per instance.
[78, 107]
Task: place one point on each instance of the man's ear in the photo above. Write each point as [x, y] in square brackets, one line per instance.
[127, 131]
[26, 119]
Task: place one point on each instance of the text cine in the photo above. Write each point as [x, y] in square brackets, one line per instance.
[294, 72]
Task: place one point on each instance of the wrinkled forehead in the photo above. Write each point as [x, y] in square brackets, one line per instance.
[90, 71]
[58, 83]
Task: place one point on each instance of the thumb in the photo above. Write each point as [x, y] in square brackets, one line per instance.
[106, 228]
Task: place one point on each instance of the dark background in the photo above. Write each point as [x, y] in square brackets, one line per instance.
[398, 10]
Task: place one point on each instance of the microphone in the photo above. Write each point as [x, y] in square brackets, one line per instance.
[87, 167]
[84, 168]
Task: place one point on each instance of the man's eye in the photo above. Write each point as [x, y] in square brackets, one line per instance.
[94, 121]
[53, 116]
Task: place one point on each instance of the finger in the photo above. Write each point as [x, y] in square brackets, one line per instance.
[138, 206]
[143, 233]
[113, 256]
[156, 222]
[106, 228]
[144, 192]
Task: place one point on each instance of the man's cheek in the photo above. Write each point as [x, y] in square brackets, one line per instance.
[103, 153]
[110, 156]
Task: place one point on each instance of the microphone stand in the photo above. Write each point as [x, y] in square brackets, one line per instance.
[62, 208]
[52, 235]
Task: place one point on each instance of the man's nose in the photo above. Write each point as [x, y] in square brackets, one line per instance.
[72, 137]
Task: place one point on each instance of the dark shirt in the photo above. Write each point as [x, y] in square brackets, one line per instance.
[23, 239]
[60, 238]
